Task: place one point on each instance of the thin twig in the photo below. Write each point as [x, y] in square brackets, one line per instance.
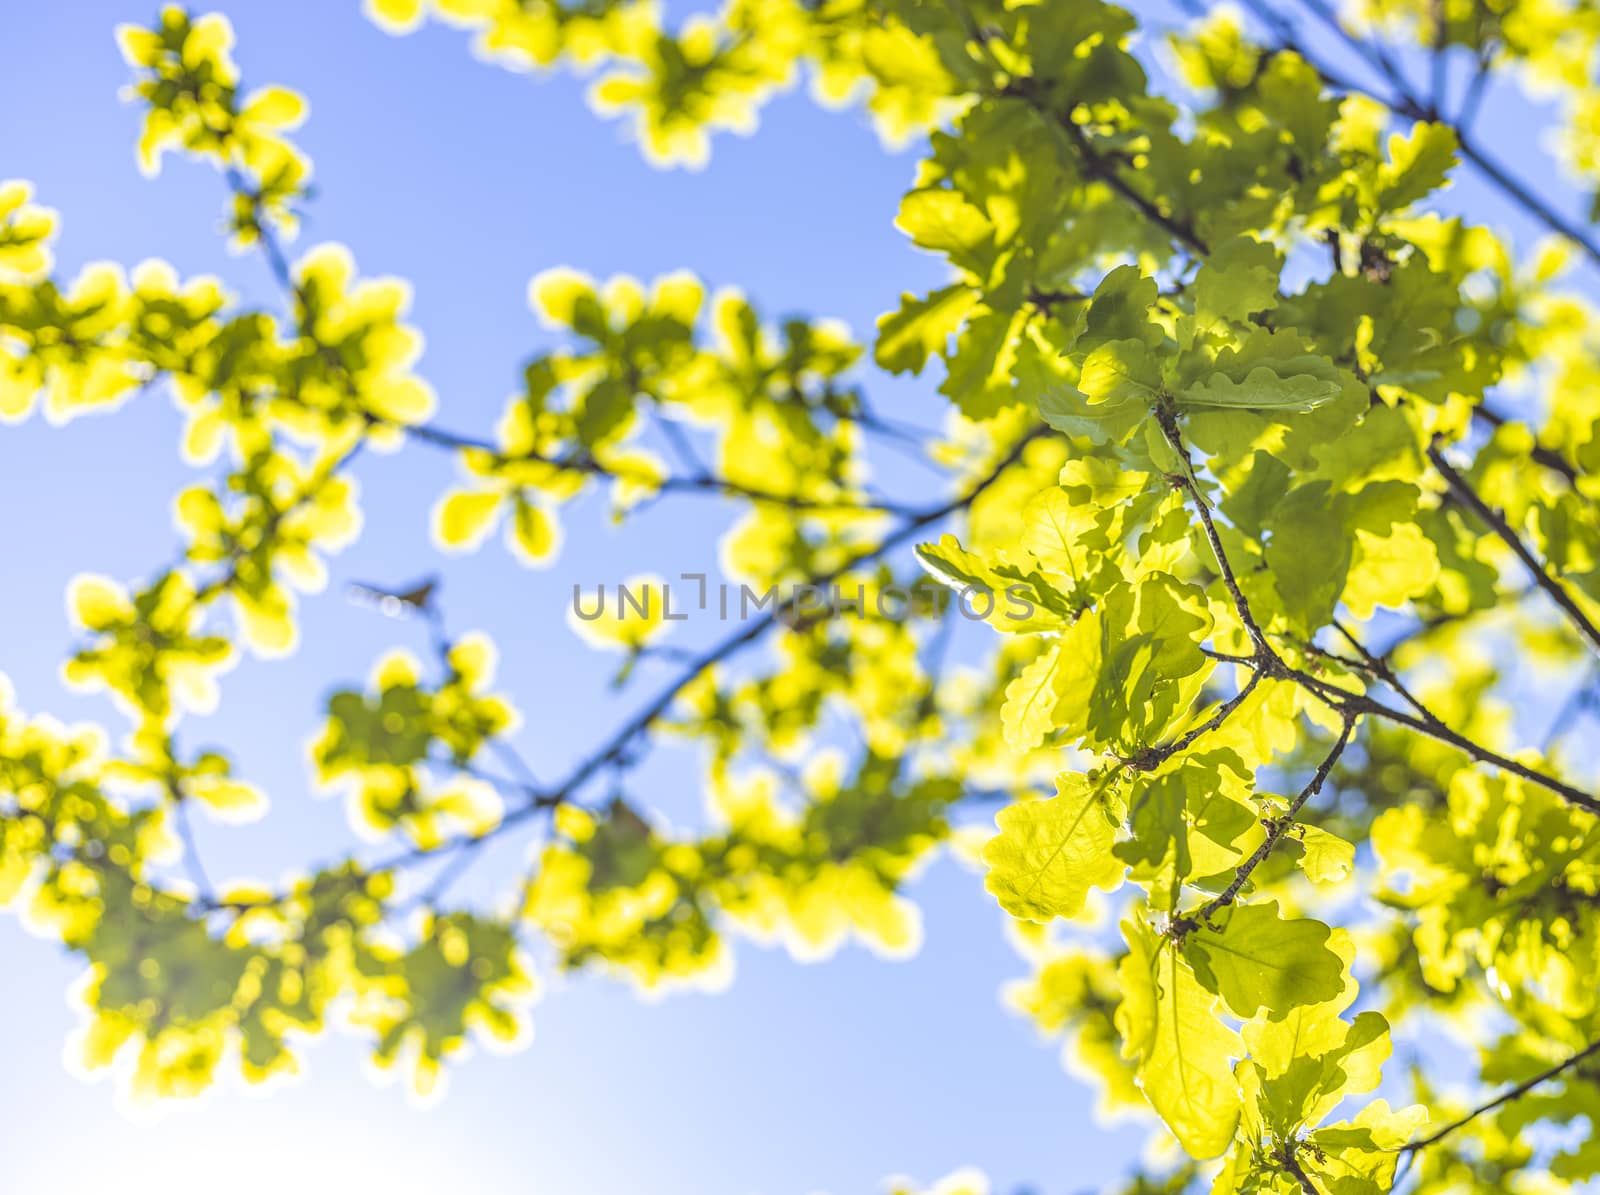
[1154, 757]
[1264, 653]
[1374, 54]
[1496, 522]
[1297, 1171]
[695, 483]
[1547, 457]
[1477, 87]
[1438, 63]
[1096, 166]
[651, 713]
[619, 746]
[1381, 668]
[1505, 1097]
[1278, 828]
[1360, 703]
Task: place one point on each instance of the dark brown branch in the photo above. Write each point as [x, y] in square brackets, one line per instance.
[1380, 667]
[1154, 757]
[1505, 1097]
[1476, 89]
[1278, 828]
[1292, 1165]
[1496, 522]
[1374, 54]
[1548, 457]
[1359, 703]
[1265, 656]
[1097, 166]
[1348, 704]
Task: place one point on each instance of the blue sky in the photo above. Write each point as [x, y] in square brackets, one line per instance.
[467, 180]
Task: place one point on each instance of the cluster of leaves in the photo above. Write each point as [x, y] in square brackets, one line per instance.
[614, 890]
[1551, 47]
[785, 421]
[678, 86]
[1220, 379]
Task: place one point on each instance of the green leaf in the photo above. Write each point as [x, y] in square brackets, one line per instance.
[1176, 615]
[1120, 371]
[605, 408]
[1054, 527]
[1389, 570]
[1255, 960]
[1190, 821]
[1050, 852]
[1239, 279]
[1068, 410]
[940, 219]
[1418, 165]
[534, 535]
[1312, 1060]
[464, 517]
[1054, 694]
[1262, 389]
[1325, 858]
[1120, 310]
[1116, 388]
[1169, 1026]
[1013, 589]
[982, 369]
[921, 327]
[1028, 713]
[1295, 97]
[1360, 1156]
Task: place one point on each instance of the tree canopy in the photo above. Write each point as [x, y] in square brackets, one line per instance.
[1273, 475]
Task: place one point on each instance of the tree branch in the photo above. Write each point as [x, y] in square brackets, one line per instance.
[179, 802]
[1267, 661]
[1154, 757]
[1265, 656]
[1380, 667]
[1275, 834]
[1505, 1097]
[700, 482]
[1359, 703]
[1496, 522]
[1096, 166]
[908, 529]
[1547, 457]
[621, 742]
